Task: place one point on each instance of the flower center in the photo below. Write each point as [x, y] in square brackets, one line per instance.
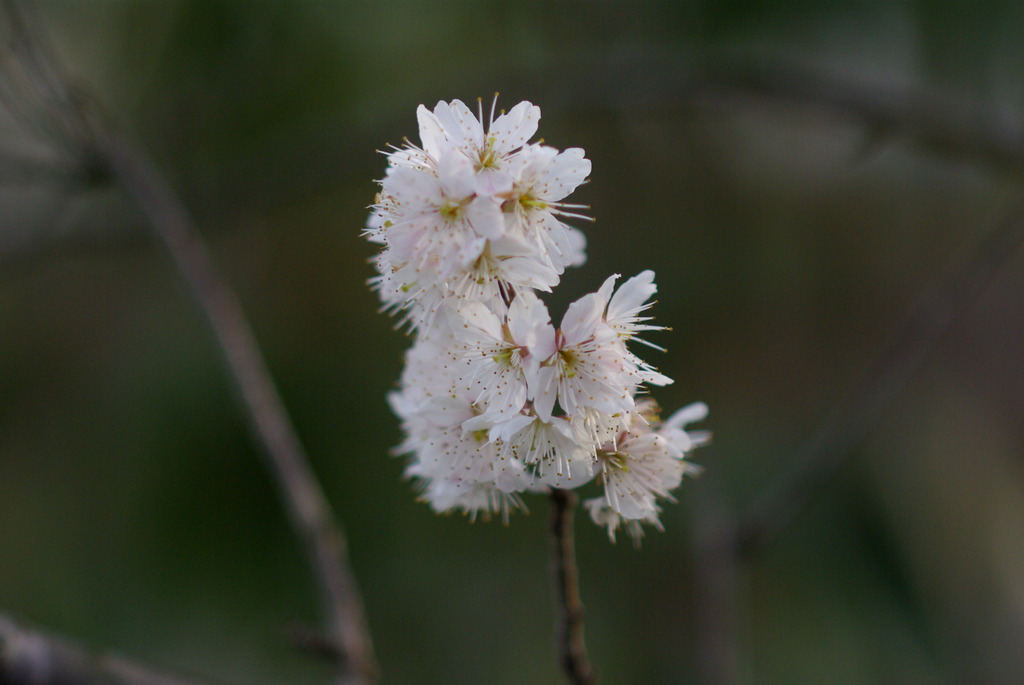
[569, 361]
[528, 201]
[488, 158]
[450, 210]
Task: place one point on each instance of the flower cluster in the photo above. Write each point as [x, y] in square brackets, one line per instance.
[495, 400]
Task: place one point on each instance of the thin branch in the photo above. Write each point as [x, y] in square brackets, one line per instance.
[28, 657]
[818, 459]
[309, 511]
[31, 77]
[572, 648]
[942, 125]
[935, 122]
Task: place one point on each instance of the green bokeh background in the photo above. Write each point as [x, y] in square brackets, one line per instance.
[789, 243]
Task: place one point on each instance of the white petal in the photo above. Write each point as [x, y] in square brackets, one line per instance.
[631, 298]
[527, 272]
[604, 293]
[480, 318]
[565, 173]
[484, 215]
[581, 319]
[543, 384]
[462, 127]
[431, 132]
[514, 129]
[576, 254]
[691, 413]
[527, 320]
[493, 182]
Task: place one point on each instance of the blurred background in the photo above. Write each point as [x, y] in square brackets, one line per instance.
[791, 229]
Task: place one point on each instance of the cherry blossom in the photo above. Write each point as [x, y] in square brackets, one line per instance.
[495, 401]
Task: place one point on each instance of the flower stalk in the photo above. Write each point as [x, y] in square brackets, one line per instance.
[572, 648]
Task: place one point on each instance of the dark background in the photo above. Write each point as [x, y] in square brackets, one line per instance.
[790, 240]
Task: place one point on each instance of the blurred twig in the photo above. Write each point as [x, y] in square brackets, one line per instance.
[28, 657]
[311, 516]
[572, 649]
[35, 89]
[617, 84]
[943, 125]
[818, 459]
[308, 508]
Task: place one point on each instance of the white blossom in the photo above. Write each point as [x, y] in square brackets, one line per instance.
[586, 362]
[644, 466]
[498, 352]
[460, 469]
[544, 177]
[494, 400]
